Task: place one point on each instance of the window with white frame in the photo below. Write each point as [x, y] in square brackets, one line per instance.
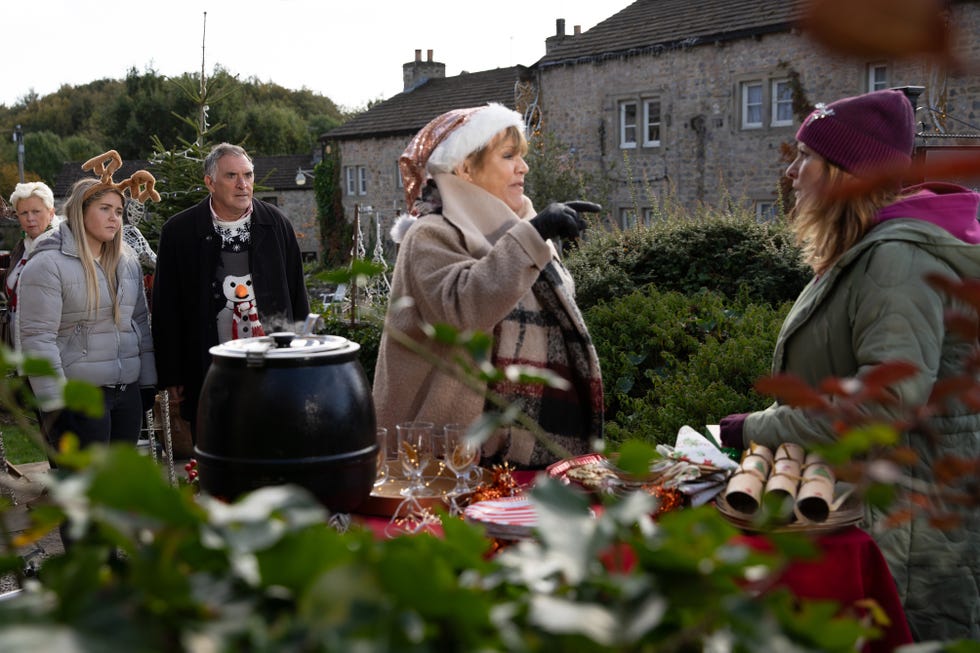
[651, 123]
[877, 76]
[361, 180]
[627, 218]
[766, 101]
[751, 105]
[627, 124]
[350, 180]
[766, 210]
[782, 103]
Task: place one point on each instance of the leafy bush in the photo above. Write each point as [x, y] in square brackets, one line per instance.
[669, 359]
[731, 254]
[173, 571]
[366, 333]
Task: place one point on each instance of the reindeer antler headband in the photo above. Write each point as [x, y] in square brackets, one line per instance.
[139, 185]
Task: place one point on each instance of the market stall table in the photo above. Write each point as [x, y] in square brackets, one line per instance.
[849, 569]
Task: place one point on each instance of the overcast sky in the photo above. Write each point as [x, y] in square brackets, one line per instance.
[350, 51]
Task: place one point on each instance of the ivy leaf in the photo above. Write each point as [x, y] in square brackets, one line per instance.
[358, 270]
[84, 398]
[34, 366]
[526, 374]
[635, 456]
[592, 620]
[443, 334]
[624, 384]
[478, 344]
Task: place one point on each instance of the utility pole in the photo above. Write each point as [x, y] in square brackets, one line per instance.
[19, 139]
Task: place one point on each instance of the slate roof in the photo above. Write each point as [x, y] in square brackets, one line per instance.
[409, 111]
[651, 26]
[276, 172]
[71, 171]
[646, 26]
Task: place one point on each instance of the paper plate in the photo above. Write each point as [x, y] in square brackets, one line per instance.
[506, 518]
[611, 479]
[559, 469]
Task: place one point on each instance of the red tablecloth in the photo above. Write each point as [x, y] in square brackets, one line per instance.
[849, 569]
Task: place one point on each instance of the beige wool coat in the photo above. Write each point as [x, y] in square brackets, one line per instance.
[468, 266]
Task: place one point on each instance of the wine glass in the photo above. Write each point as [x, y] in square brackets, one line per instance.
[462, 456]
[415, 453]
[381, 476]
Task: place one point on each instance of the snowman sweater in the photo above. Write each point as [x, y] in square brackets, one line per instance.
[238, 315]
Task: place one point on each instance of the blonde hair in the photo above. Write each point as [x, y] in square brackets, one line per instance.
[830, 223]
[510, 134]
[111, 253]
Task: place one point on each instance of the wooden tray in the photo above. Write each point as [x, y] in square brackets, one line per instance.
[385, 498]
[851, 512]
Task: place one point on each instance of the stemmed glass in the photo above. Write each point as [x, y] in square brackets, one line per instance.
[416, 454]
[381, 475]
[462, 456]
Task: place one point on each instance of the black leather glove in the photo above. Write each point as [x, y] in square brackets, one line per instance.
[562, 220]
[148, 396]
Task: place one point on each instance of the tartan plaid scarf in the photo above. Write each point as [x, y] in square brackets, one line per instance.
[546, 331]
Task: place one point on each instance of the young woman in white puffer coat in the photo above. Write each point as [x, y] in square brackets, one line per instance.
[83, 308]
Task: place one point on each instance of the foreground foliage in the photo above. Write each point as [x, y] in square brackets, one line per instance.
[157, 568]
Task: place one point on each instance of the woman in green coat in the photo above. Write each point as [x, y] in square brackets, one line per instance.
[868, 304]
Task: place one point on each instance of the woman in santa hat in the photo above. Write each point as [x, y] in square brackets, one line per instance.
[475, 255]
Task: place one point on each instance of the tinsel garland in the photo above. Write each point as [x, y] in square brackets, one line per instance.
[501, 484]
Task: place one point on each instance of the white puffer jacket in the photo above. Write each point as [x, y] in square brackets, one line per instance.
[53, 321]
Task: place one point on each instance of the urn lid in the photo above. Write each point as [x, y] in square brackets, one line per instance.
[283, 345]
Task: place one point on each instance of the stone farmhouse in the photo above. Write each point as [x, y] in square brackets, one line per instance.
[689, 100]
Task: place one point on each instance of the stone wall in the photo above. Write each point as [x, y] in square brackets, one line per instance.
[385, 195]
[705, 155]
[300, 207]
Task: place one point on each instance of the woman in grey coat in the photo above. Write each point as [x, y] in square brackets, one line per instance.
[82, 307]
[869, 303]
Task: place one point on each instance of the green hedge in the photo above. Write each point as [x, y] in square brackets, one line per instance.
[731, 254]
[366, 333]
[670, 359]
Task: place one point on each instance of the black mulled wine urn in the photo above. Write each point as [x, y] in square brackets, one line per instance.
[284, 409]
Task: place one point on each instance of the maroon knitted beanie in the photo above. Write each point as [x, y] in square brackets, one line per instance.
[864, 135]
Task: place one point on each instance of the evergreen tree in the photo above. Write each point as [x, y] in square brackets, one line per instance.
[179, 169]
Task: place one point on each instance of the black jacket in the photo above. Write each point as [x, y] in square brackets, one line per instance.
[183, 310]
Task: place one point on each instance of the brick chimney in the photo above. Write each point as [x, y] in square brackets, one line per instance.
[415, 73]
[552, 41]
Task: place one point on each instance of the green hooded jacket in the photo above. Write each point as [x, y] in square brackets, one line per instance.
[874, 306]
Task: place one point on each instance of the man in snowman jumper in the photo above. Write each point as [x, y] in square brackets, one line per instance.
[228, 237]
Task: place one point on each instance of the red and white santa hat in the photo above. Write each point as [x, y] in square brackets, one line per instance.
[448, 139]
